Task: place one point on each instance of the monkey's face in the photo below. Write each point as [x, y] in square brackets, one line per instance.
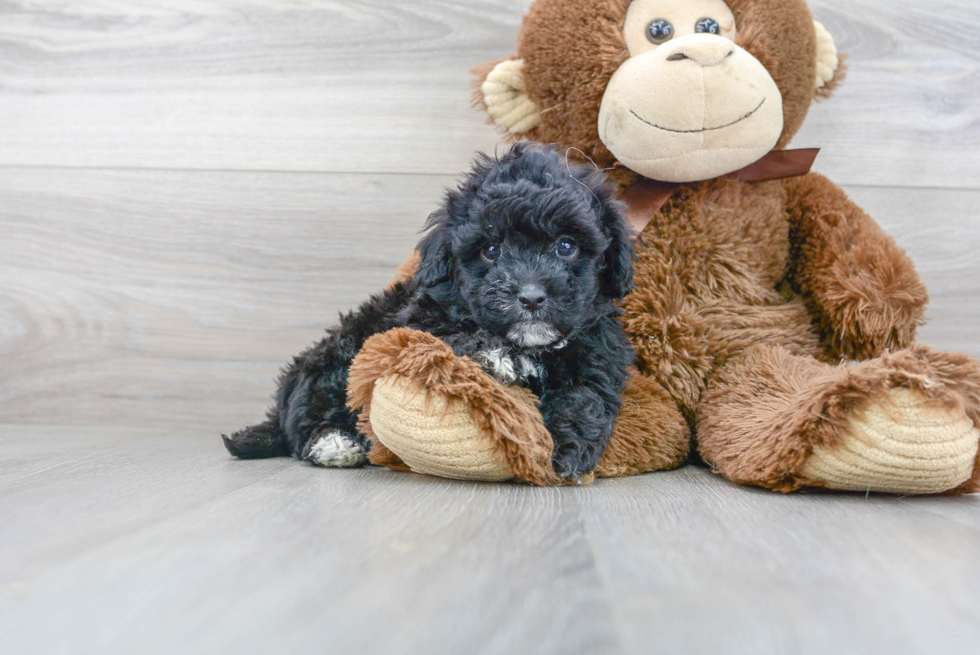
[688, 104]
[675, 90]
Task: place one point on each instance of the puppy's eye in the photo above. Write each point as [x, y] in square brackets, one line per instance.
[491, 252]
[566, 248]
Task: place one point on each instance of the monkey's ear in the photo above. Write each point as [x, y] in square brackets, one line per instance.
[830, 68]
[503, 94]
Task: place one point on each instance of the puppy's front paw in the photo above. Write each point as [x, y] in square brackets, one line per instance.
[506, 367]
[574, 459]
[335, 449]
[498, 363]
[529, 368]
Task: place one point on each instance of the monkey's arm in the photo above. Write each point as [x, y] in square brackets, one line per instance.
[861, 286]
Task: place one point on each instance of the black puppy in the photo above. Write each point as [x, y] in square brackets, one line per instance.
[519, 271]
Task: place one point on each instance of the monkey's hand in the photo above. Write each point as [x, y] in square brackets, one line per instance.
[862, 288]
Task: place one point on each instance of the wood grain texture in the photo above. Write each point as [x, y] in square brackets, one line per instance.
[156, 541]
[715, 568]
[159, 542]
[344, 86]
[149, 297]
[327, 85]
[908, 113]
[191, 189]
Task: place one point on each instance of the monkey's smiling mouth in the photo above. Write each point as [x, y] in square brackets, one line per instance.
[703, 129]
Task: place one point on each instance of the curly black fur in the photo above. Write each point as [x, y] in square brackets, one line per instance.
[520, 269]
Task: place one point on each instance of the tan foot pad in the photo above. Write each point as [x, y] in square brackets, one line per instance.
[905, 445]
[431, 437]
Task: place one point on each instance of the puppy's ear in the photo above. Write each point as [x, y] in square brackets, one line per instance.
[436, 274]
[617, 260]
[616, 273]
[616, 265]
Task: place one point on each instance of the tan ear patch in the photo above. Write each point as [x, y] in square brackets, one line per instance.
[506, 99]
[827, 57]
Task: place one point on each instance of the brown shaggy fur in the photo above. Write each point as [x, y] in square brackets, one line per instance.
[746, 288]
[506, 415]
[381, 456]
[571, 48]
[859, 285]
[747, 292]
[649, 434]
[766, 409]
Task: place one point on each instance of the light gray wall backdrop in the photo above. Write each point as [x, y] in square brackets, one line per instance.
[190, 191]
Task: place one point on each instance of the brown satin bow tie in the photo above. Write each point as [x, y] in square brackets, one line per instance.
[645, 197]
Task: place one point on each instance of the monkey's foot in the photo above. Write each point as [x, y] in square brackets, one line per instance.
[443, 415]
[429, 411]
[908, 442]
[433, 434]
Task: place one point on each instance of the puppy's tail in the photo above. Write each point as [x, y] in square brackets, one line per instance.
[257, 441]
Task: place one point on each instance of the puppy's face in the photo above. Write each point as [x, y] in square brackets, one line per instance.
[529, 248]
[530, 270]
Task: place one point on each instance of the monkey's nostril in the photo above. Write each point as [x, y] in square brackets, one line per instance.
[531, 296]
[702, 54]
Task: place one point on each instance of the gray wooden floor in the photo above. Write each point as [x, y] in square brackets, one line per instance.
[190, 190]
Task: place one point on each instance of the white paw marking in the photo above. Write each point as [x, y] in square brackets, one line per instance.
[498, 364]
[337, 450]
[529, 368]
[508, 369]
[533, 334]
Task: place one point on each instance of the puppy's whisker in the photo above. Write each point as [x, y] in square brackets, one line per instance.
[580, 182]
[568, 150]
[591, 161]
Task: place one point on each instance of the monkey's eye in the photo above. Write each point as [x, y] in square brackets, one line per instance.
[707, 26]
[491, 252]
[659, 31]
[566, 248]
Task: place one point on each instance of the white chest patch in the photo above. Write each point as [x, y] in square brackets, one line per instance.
[533, 334]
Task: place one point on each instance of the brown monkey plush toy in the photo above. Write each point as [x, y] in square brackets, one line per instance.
[773, 320]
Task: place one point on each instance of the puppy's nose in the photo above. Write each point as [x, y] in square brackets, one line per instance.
[532, 296]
